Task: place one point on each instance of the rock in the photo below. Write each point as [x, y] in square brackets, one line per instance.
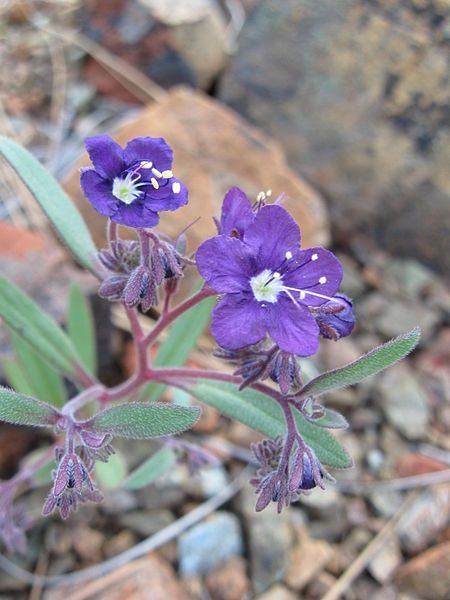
[146, 522]
[119, 543]
[320, 585]
[307, 559]
[427, 575]
[206, 545]
[424, 519]
[386, 61]
[88, 543]
[270, 538]
[214, 149]
[403, 401]
[386, 560]
[386, 502]
[278, 592]
[418, 464]
[229, 581]
[399, 316]
[133, 581]
[434, 368]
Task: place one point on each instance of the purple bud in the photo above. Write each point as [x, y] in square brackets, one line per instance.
[335, 318]
[166, 262]
[70, 474]
[108, 260]
[112, 288]
[140, 289]
[312, 473]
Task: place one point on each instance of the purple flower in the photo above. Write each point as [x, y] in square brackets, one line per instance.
[336, 318]
[237, 213]
[132, 185]
[268, 284]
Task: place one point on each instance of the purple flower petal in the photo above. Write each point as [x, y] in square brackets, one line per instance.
[156, 150]
[106, 155]
[237, 213]
[292, 327]
[237, 322]
[98, 191]
[165, 198]
[225, 263]
[273, 233]
[319, 271]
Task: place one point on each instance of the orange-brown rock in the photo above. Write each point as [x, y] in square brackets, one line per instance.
[214, 150]
[428, 575]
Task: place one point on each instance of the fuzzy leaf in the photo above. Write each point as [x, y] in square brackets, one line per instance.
[183, 337]
[55, 203]
[111, 474]
[16, 376]
[36, 327]
[375, 361]
[331, 419]
[80, 327]
[151, 469]
[18, 409]
[262, 413]
[138, 420]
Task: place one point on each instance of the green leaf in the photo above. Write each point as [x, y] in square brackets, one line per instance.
[262, 413]
[55, 203]
[80, 327]
[138, 420]
[153, 468]
[46, 384]
[111, 474]
[182, 339]
[36, 327]
[19, 409]
[16, 376]
[375, 361]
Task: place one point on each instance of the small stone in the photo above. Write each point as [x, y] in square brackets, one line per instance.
[88, 543]
[418, 464]
[424, 519]
[320, 585]
[386, 560]
[147, 522]
[119, 543]
[229, 581]
[386, 502]
[398, 317]
[134, 23]
[375, 459]
[206, 545]
[404, 402]
[270, 538]
[427, 575]
[278, 592]
[323, 503]
[308, 558]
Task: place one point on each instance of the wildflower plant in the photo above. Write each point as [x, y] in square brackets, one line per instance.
[271, 302]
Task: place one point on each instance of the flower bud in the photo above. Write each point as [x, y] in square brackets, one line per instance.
[113, 287]
[335, 318]
[140, 289]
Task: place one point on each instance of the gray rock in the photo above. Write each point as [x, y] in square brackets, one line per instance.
[399, 316]
[134, 22]
[404, 402]
[357, 92]
[424, 519]
[386, 502]
[147, 522]
[206, 545]
[270, 538]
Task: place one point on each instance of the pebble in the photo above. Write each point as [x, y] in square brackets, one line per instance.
[399, 316]
[88, 543]
[229, 581]
[307, 559]
[386, 502]
[427, 575]
[147, 522]
[403, 401]
[424, 519]
[386, 560]
[119, 543]
[203, 547]
[278, 592]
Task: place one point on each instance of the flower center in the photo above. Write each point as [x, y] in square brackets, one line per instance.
[127, 189]
[266, 286]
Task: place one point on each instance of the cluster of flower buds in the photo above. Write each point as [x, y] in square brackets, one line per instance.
[134, 277]
[72, 483]
[283, 478]
[336, 318]
[262, 361]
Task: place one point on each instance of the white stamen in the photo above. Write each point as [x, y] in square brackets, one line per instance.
[288, 255]
[260, 196]
[167, 174]
[176, 187]
[276, 275]
[323, 280]
[156, 172]
[302, 295]
[266, 286]
[154, 183]
[314, 257]
[146, 164]
[269, 193]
